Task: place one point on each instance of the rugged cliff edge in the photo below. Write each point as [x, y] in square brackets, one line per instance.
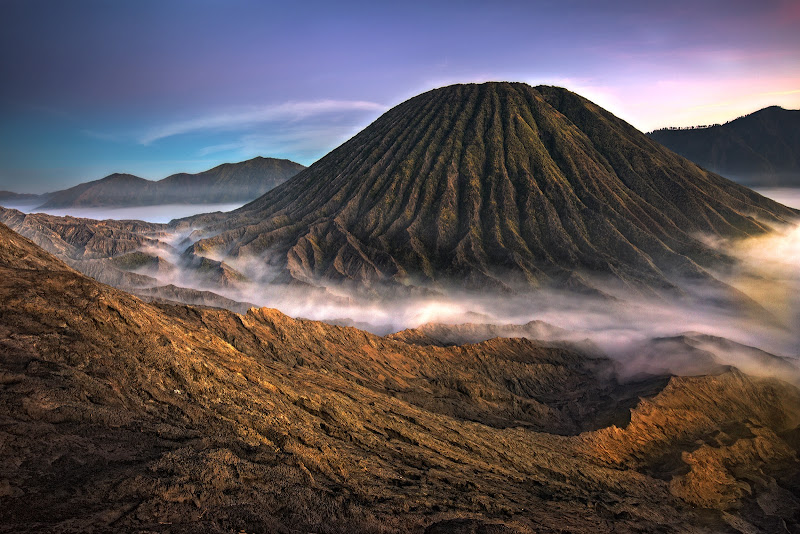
[118, 415]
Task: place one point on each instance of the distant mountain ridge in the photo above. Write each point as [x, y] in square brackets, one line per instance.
[229, 182]
[9, 196]
[759, 149]
[494, 185]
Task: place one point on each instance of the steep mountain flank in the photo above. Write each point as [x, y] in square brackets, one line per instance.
[78, 238]
[497, 185]
[229, 182]
[118, 415]
[759, 149]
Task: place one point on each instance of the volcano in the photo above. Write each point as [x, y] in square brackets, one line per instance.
[494, 185]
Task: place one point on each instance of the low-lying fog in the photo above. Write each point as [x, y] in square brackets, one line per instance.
[766, 275]
[155, 214]
[767, 272]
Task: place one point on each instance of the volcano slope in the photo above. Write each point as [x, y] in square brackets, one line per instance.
[497, 185]
[118, 415]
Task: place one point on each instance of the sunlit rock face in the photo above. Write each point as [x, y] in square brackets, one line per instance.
[119, 415]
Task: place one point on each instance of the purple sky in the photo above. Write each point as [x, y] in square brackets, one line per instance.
[155, 87]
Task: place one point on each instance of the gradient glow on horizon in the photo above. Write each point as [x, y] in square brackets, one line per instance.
[152, 87]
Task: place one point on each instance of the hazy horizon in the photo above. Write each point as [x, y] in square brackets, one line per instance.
[162, 213]
[789, 196]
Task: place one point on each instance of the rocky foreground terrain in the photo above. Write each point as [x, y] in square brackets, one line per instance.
[118, 415]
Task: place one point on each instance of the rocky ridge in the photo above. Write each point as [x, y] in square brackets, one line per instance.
[127, 416]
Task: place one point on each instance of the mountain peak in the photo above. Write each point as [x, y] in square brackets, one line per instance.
[494, 185]
[122, 176]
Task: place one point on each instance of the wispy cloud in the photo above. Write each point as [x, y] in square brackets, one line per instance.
[214, 149]
[301, 141]
[304, 143]
[242, 118]
[309, 142]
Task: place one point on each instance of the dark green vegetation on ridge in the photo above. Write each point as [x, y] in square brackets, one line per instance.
[494, 185]
[229, 182]
[759, 149]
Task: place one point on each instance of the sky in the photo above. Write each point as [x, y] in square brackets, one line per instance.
[91, 87]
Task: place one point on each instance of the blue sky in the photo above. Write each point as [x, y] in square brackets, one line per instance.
[156, 87]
